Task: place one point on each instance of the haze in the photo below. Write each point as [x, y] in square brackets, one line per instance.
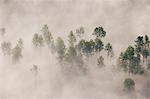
[123, 21]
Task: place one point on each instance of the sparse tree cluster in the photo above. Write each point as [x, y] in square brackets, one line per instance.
[15, 52]
[76, 51]
[132, 59]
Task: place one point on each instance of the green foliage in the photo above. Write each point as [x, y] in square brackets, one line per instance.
[17, 53]
[122, 62]
[47, 35]
[143, 46]
[130, 61]
[87, 47]
[37, 40]
[99, 32]
[146, 39]
[73, 57]
[81, 45]
[129, 84]
[72, 38]
[98, 45]
[71, 54]
[60, 48]
[6, 48]
[109, 50]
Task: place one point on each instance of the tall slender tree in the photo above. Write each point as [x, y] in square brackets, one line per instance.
[109, 50]
[60, 48]
[47, 36]
[72, 39]
[98, 45]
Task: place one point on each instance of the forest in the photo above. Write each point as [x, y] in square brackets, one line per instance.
[77, 54]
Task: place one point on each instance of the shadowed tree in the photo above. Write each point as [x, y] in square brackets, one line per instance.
[129, 84]
[72, 39]
[98, 45]
[16, 53]
[81, 45]
[71, 52]
[122, 62]
[142, 46]
[109, 50]
[47, 36]
[146, 48]
[37, 40]
[139, 45]
[146, 39]
[131, 61]
[6, 48]
[88, 47]
[100, 61]
[60, 48]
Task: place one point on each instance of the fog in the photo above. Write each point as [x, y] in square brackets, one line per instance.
[123, 21]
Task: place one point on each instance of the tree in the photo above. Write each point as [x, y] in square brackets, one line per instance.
[130, 61]
[122, 62]
[146, 48]
[129, 84]
[139, 41]
[74, 58]
[99, 32]
[72, 38]
[71, 54]
[20, 43]
[81, 45]
[139, 45]
[47, 36]
[98, 45]
[109, 50]
[100, 61]
[80, 31]
[88, 47]
[142, 46]
[129, 53]
[16, 53]
[146, 39]
[6, 48]
[60, 48]
[37, 40]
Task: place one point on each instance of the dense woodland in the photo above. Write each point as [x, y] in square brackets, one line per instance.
[75, 54]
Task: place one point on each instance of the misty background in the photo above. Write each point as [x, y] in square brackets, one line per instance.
[120, 18]
[123, 21]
